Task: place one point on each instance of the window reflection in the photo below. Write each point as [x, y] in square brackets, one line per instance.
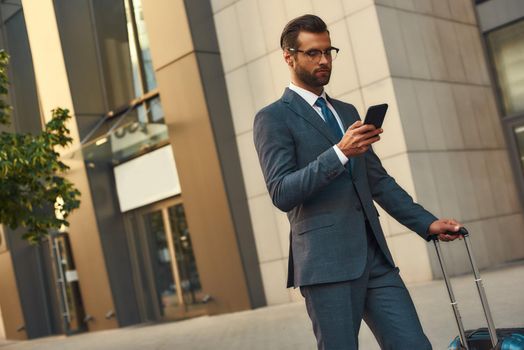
[162, 266]
[137, 125]
[507, 49]
[519, 136]
[143, 72]
[113, 47]
[189, 278]
[136, 131]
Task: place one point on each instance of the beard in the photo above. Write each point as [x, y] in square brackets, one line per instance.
[312, 79]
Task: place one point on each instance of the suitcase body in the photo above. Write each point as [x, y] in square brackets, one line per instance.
[479, 339]
[483, 338]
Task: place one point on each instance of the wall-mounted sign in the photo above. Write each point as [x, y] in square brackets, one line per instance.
[147, 179]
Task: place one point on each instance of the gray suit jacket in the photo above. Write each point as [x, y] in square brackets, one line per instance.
[326, 206]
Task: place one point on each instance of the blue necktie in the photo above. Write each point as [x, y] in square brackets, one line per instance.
[332, 123]
[329, 118]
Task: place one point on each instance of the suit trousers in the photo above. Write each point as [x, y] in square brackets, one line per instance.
[379, 297]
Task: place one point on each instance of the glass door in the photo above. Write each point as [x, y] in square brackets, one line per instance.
[164, 262]
[73, 314]
[189, 280]
[164, 267]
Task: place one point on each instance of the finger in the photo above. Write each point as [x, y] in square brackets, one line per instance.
[450, 227]
[452, 222]
[442, 237]
[358, 137]
[355, 125]
[453, 237]
[369, 141]
[372, 133]
[364, 128]
[455, 222]
[445, 238]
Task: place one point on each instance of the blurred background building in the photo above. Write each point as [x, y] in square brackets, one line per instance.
[175, 220]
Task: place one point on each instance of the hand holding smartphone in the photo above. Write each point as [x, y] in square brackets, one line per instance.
[375, 115]
[358, 138]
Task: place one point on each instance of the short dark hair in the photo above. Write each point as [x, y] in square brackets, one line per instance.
[305, 23]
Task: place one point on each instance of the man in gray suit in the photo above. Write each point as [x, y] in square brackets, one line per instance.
[319, 167]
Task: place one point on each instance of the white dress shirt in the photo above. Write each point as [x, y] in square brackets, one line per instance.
[311, 98]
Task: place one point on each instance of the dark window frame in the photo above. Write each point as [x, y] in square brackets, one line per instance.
[493, 69]
[508, 121]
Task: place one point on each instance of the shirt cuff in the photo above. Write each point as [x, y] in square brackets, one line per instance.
[341, 156]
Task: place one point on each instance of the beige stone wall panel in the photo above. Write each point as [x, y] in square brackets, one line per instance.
[11, 309]
[442, 139]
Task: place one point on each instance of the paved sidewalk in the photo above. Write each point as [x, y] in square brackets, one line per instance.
[287, 326]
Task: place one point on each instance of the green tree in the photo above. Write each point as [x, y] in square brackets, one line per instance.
[33, 194]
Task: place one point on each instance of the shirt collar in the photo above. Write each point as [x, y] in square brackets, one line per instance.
[307, 95]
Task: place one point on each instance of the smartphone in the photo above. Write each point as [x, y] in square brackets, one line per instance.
[375, 115]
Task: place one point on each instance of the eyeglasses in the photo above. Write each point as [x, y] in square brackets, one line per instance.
[315, 55]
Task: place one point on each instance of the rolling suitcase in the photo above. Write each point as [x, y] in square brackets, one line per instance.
[482, 338]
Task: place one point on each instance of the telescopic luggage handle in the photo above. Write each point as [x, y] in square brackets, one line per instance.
[461, 232]
[491, 326]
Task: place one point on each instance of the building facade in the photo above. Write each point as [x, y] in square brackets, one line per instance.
[175, 219]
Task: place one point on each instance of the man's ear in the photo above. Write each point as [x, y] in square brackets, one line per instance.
[288, 57]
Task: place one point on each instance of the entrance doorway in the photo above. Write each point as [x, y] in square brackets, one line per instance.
[67, 285]
[165, 274]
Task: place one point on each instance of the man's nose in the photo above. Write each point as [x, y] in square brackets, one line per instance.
[323, 58]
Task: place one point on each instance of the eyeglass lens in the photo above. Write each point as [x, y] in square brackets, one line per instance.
[316, 54]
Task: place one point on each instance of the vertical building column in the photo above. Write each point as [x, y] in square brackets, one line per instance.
[11, 313]
[191, 131]
[53, 90]
[376, 55]
[454, 145]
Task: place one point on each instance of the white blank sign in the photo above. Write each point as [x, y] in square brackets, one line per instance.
[147, 179]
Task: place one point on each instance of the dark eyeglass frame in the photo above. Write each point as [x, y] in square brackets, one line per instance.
[316, 54]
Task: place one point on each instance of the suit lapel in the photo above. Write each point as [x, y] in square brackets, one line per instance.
[304, 110]
[347, 116]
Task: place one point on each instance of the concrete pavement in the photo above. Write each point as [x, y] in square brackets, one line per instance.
[287, 327]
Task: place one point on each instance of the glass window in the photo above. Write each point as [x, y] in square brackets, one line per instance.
[134, 132]
[137, 125]
[150, 81]
[143, 72]
[189, 278]
[507, 49]
[165, 282]
[113, 47]
[519, 136]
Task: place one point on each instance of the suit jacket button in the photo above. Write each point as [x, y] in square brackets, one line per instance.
[358, 207]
